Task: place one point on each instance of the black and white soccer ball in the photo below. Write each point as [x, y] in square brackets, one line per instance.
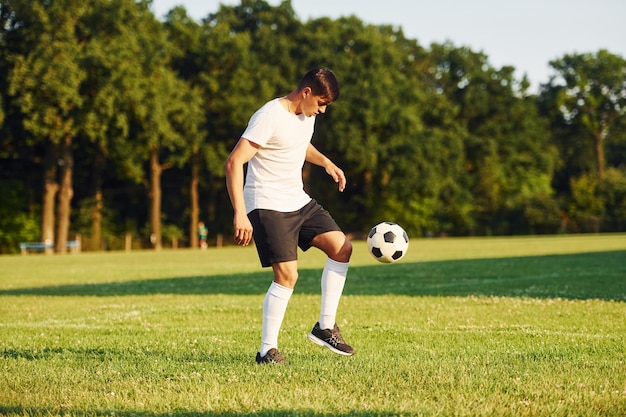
[387, 242]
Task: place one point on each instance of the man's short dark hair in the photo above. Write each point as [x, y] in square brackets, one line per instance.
[322, 82]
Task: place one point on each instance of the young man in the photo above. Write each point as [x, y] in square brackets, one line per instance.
[273, 207]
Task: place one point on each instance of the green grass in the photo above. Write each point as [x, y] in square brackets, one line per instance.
[532, 326]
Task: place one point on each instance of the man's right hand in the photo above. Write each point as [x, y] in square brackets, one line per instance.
[243, 230]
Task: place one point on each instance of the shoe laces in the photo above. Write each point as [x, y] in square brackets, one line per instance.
[335, 336]
[275, 357]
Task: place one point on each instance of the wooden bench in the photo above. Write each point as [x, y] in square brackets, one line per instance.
[26, 247]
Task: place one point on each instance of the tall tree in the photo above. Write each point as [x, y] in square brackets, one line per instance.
[591, 92]
[185, 35]
[585, 101]
[44, 83]
[141, 113]
[114, 34]
[158, 137]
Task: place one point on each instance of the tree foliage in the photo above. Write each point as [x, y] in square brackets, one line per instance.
[593, 95]
[586, 101]
[113, 122]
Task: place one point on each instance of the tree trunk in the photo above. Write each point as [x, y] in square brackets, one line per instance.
[212, 208]
[600, 153]
[195, 202]
[155, 200]
[96, 221]
[96, 214]
[66, 193]
[51, 187]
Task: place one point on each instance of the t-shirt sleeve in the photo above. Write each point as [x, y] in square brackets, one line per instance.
[260, 127]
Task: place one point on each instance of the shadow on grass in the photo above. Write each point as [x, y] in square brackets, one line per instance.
[22, 411]
[596, 275]
[143, 358]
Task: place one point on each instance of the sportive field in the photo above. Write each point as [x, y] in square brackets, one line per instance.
[525, 326]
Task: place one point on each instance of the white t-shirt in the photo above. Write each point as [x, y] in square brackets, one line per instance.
[274, 177]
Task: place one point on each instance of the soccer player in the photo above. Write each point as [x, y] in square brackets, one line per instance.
[273, 207]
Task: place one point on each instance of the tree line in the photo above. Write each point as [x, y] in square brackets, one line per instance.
[114, 122]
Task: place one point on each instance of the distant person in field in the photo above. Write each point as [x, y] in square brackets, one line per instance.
[203, 234]
[273, 207]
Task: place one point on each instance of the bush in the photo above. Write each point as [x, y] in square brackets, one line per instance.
[18, 221]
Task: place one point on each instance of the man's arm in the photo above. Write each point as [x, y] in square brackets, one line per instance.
[240, 155]
[317, 158]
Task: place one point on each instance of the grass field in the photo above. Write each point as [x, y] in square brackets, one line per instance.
[531, 326]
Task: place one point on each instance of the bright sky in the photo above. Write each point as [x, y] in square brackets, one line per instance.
[526, 34]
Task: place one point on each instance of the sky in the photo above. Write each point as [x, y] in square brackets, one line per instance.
[526, 34]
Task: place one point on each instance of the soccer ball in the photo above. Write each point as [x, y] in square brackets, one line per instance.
[387, 242]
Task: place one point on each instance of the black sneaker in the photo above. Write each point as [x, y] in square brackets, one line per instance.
[272, 356]
[331, 338]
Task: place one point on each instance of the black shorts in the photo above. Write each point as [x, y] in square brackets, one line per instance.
[277, 235]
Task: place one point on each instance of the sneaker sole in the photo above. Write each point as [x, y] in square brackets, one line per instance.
[333, 349]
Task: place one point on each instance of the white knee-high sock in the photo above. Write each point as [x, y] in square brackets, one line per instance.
[274, 307]
[333, 280]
